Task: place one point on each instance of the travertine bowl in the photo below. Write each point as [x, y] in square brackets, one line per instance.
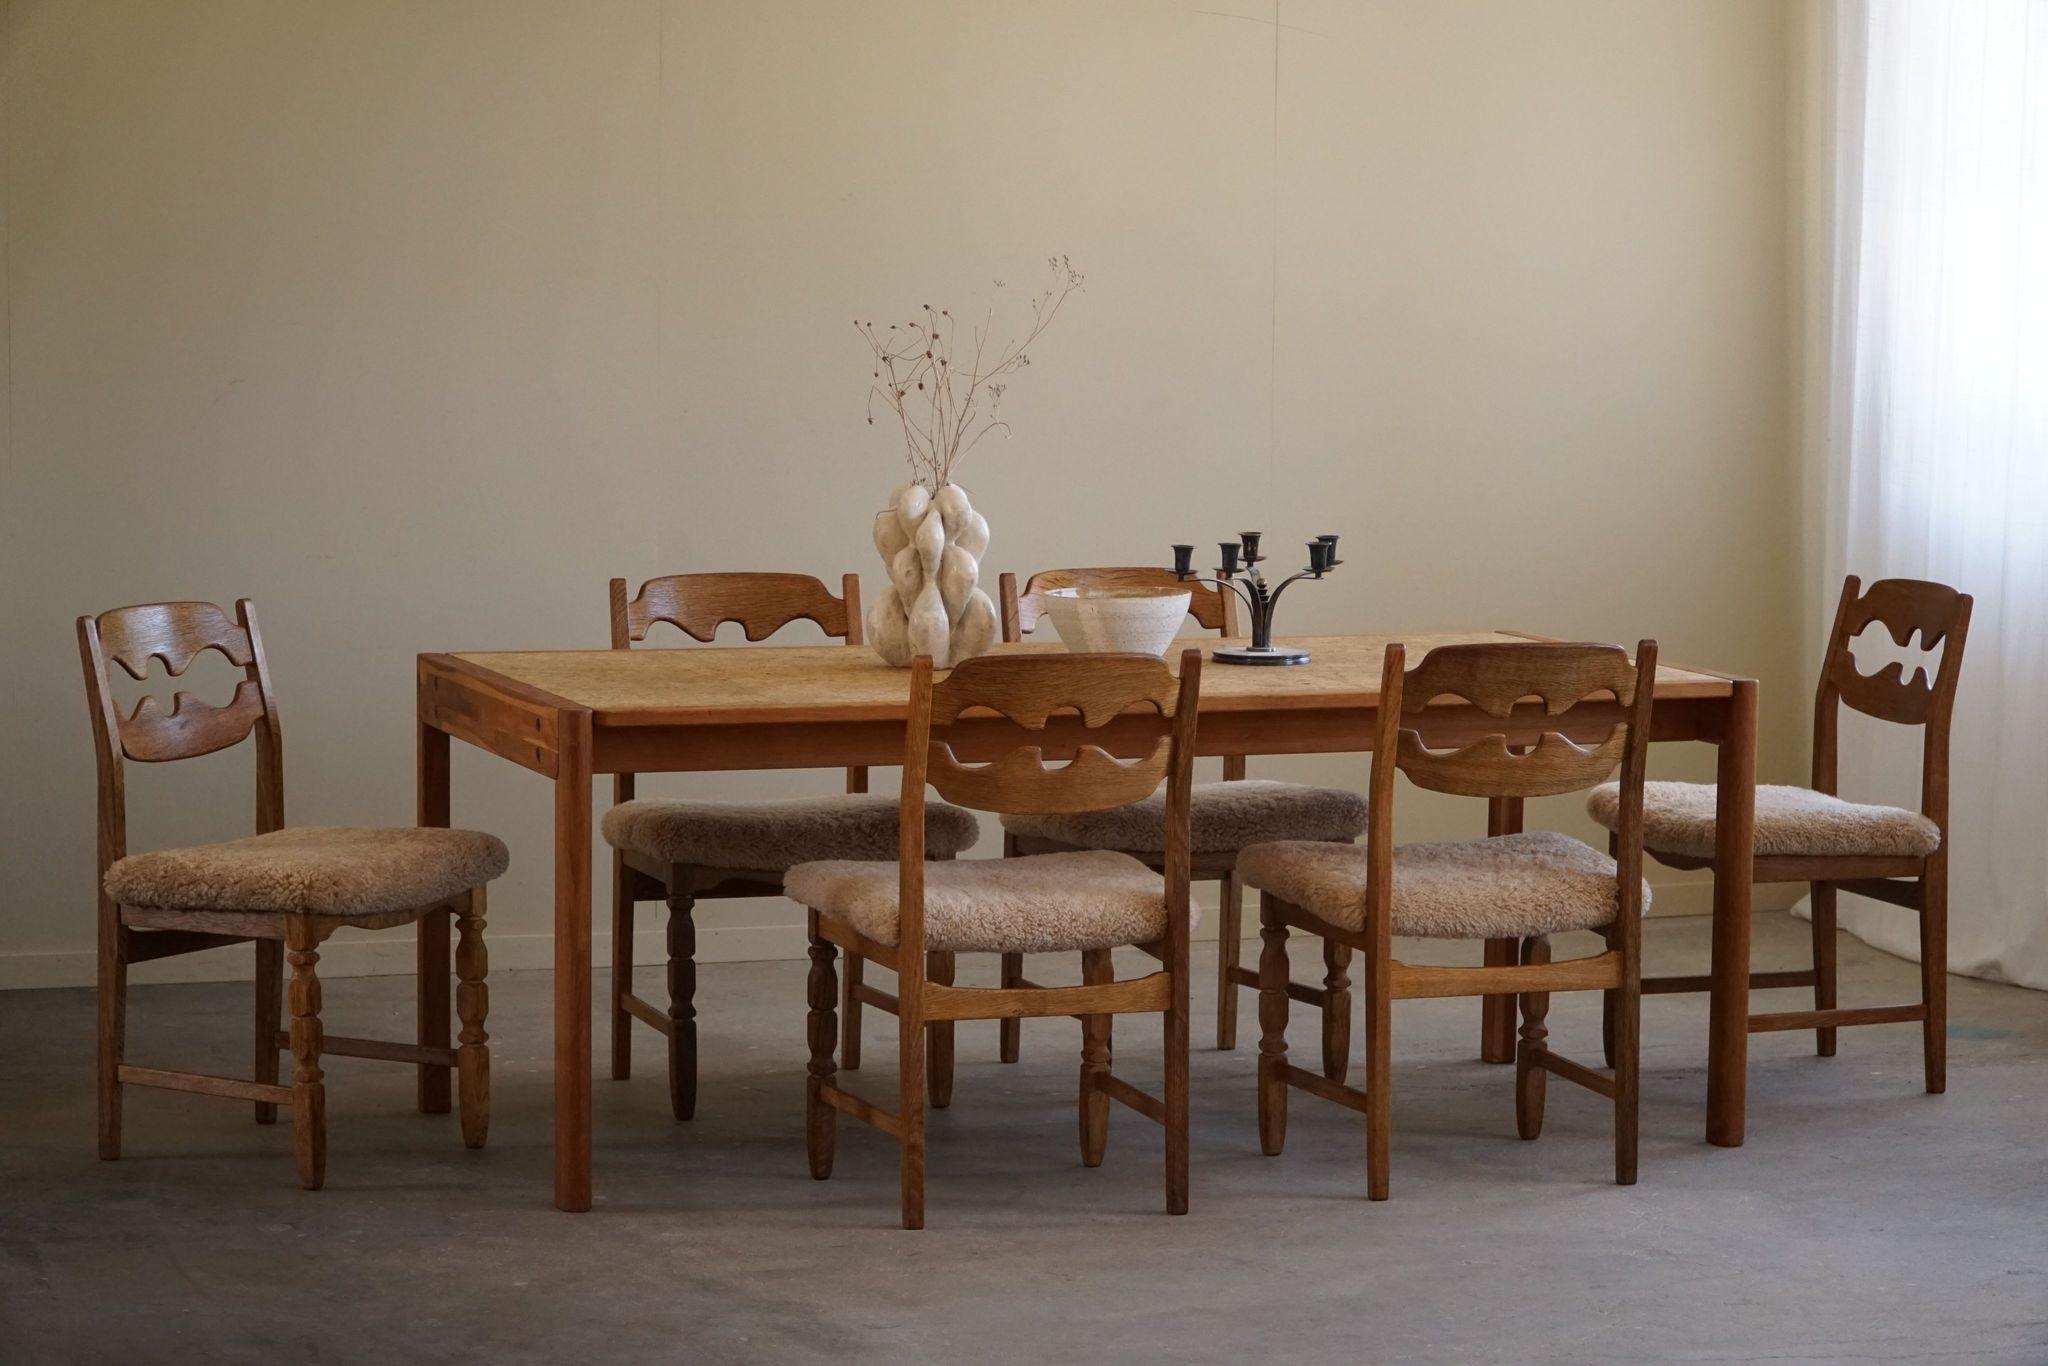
[1133, 620]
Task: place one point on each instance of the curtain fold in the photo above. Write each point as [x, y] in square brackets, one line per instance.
[1938, 428]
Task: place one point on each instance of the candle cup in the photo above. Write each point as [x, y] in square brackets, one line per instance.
[1319, 556]
[1251, 545]
[1229, 550]
[1183, 561]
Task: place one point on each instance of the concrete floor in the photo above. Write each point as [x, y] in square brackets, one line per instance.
[1865, 1220]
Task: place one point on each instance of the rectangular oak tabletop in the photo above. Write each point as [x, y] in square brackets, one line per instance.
[715, 686]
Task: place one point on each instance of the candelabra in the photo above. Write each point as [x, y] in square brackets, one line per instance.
[1242, 558]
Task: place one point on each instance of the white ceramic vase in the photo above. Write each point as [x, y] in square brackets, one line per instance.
[931, 544]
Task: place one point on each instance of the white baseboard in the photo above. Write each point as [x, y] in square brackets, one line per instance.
[383, 954]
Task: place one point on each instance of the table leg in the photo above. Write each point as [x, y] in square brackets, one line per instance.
[431, 944]
[1734, 865]
[572, 963]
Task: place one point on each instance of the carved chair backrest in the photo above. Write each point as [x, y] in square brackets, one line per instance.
[761, 603]
[1529, 687]
[1940, 617]
[177, 633]
[1020, 696]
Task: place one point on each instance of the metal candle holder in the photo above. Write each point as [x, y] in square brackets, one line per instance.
[1242, 558]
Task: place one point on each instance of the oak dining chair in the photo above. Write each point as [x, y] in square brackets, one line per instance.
[1224, 817]
[1088, 902]
[683, 851]
[1811, 835]
[1524, 886]
[286, 888]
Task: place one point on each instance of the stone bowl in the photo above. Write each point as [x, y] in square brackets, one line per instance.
[1132, 620]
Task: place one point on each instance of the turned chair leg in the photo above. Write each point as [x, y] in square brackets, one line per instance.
[1529, 1078]
[939, 969]
[622, 967]
[821, 1121]
[1009, 1033]
[1336, 1009]
[1095, 1035]
[1824, 963]
[269, 1019]
[1934, 973]
[472, 1004]
[682, 1005]
[849, 1026]
[1272, 1027]
[1229, 953]
[309, 1096]
[113, 1012]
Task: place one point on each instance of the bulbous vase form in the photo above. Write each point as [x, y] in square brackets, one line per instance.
[931, 543]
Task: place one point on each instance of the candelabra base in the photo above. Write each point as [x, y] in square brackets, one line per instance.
[1246, 654]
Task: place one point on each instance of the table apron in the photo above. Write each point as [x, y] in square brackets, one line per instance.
[1305, 730]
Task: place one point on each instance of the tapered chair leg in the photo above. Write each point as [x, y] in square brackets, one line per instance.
[1379, 1072]
[821, 1121]
[1336, 1009]
[1272, 1027]
[1610, 1011]
[269, 1019]
[1095, 1035]
[622, 967]
[1497, 1013]
[1009, 1033]
[1529, 1078]
[309, 1095]
[939, 969]
[472, 1005]
[849, 1026]
[1934, 974]
[1823, 904]
[1628, 1050]
[113, 1013]
[910, 1039]
[431, 968]
[1229, 951]
[1176, 1070]
[1610, 1001]
[682, 1006]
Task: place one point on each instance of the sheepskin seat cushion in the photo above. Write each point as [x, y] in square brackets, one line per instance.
[1678, 818]
[1040, 903]
[1221, 817]
[318, 870]
[773, 836]
[1512, 886]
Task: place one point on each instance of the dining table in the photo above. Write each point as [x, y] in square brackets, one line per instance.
[571, 715]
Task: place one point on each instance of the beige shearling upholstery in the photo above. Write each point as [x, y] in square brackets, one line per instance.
[1513, 886]
[1221, 817]
[773, 836]
[1678, 818]
[318, 870]
[1039, 903]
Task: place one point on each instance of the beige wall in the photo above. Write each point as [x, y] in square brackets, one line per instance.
[417, 322]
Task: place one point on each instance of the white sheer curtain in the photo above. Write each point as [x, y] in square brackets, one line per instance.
[1939, 425]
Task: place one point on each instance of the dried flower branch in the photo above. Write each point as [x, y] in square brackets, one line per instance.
[943, 407]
